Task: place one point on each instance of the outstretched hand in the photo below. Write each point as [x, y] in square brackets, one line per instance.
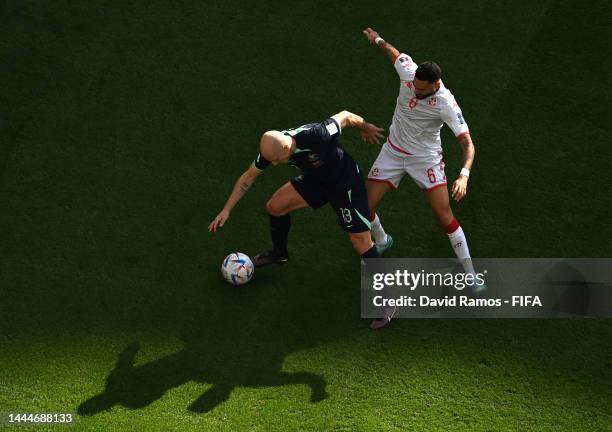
[459, 189]
[371, 35]
[219, 221]
[371, 133]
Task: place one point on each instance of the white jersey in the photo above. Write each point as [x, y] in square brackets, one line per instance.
[416, 125]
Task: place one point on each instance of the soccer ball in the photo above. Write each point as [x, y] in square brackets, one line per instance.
[237, 268]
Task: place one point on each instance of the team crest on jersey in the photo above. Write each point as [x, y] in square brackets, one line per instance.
[313, 158]
[432, 101]
[374, 173]
[413, 102]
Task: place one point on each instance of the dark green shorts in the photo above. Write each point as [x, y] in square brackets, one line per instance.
[348, 198]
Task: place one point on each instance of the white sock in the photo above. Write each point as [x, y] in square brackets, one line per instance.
[460, 246]
[378, 232]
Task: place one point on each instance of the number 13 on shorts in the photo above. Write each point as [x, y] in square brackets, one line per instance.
[347, 217]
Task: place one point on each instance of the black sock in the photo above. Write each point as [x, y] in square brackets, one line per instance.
[371, 253]
[279, 228]
[372, 266]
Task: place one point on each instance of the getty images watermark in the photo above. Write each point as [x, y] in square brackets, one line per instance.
[487, 288]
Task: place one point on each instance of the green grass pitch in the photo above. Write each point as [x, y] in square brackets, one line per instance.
[123, 126]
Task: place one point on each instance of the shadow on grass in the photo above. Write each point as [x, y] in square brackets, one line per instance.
[138, 386]
[242, 342]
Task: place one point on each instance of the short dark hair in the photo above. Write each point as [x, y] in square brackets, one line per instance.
[428, 71]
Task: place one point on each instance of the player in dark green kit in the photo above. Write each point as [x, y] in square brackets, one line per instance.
[329, 175]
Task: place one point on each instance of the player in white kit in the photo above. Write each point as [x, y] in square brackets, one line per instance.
[413, 146]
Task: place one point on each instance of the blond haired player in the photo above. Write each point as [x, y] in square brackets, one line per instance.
[414, 147]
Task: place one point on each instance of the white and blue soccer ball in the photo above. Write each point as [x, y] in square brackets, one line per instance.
[237, 268]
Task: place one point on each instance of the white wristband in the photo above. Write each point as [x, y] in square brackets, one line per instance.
[378, 40]
[465, 172]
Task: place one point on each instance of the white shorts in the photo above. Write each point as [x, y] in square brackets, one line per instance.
[426, 171]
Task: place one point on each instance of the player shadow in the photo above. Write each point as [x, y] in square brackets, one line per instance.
[228, 348]
[138, 386]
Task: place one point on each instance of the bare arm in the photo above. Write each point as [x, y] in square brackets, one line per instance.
[390, 50]
[469, 151]
[348, 119]
[459, 189]
[242, 185]
[369, 132]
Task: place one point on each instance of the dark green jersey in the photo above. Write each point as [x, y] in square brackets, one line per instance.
[318, 152]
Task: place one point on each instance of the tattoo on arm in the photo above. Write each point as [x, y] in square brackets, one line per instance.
[468, 151]
[465, 140]
[244, 187]
[390, 50]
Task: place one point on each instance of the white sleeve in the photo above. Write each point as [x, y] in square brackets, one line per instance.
[405, 67]
[451, 115]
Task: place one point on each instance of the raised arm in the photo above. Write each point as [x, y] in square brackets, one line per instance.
[374, 38]
[369, 133]
[243, 184]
